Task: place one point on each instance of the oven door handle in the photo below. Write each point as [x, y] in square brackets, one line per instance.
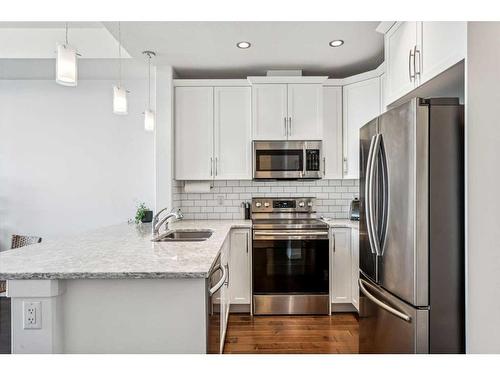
[289, 235]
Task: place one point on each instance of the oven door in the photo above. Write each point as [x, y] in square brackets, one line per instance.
[279, 159]
[290, 262]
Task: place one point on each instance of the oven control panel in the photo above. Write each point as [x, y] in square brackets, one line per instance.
[283, 204]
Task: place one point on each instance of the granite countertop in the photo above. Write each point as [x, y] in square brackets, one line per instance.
[341, 223]
[123, 251]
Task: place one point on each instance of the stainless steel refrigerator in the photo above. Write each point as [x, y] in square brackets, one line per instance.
[412, 229]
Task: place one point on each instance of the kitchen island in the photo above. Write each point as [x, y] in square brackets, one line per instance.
[113, 290]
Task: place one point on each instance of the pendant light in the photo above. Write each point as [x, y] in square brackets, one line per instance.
[149, 115]
[119, 92]
[66, 63]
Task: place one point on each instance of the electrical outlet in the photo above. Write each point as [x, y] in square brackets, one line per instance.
[220, 200]
[32, 313]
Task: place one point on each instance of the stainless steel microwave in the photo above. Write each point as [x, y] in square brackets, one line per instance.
[287, 160]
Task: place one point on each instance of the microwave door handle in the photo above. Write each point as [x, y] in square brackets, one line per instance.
[368, 190]
[381, 304]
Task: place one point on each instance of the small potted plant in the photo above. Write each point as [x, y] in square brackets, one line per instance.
[143, 214]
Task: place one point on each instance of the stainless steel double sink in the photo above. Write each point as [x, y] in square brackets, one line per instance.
[184, 235]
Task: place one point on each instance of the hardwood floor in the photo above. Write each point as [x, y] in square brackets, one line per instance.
[292, 334]
[4, 325]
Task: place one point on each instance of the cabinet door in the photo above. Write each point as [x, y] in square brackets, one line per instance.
[269, 111]
[332, 132]
[443, 44]
[355, 267]
[240, 266]
[194, 107]
[400, 42]
[340, 244]
[361, 102]
[233, 133]
[305, 111]
[225, 303]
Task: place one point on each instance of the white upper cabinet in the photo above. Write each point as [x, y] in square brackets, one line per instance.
[400, 47]
[332, 132]
[194, 112]
[213, 133]
[232, 133]
[269, 111]
[443, 45]
[341, 267]
[361, 103]
[416, 52]
[239, 287]
[305, 106]
[287, 111]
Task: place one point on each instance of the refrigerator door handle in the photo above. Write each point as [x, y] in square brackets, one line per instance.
[371, 213]
[368, 197]
[383, 305]
[385, 196]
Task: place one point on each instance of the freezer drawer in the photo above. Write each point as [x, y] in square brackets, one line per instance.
[388, 325]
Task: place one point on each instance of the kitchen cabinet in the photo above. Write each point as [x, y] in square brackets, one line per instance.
[400, 47]
[194, 113]
[355, 267]
[305, 106]
[341, 267]
[361, 103]
[332, 132]
[213, 133]
[443, 45]
[287, 111]
[225, 302]
[416, 52]
[239, 264]
[232, 133]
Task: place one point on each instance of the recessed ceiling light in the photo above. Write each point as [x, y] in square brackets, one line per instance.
[336, 43]
[243, 45]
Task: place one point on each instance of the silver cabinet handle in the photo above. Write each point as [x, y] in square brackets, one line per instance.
[227, 273]
[211, 166]
[285, 132]
[410, 56]
[415, 51]
[383, 305]
[334, 243]
[289, 126]
[324, 166]
[221, 282]
[216, 165]
[246, 237]
[345, 166]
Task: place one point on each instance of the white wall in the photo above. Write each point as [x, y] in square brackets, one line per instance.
[483, 180]
[67, 163]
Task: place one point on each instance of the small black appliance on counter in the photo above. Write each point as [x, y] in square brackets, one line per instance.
[354, 209]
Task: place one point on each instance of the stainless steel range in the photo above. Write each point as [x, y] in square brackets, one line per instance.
[290, 257]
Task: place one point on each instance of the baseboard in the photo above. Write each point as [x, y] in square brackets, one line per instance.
[343, 307]
[240, 308]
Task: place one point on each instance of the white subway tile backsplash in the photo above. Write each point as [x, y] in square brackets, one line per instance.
[332, 197]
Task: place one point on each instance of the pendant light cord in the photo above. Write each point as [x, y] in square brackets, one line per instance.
[119, 56]
[149, 82]
[66, 25]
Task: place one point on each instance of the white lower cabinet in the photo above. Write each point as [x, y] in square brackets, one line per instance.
[344, 268]
[239, 265]
[340, 253]
[355, 267]
[225, 302]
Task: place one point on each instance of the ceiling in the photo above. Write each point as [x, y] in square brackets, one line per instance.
[195, 49]
[208, 49]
